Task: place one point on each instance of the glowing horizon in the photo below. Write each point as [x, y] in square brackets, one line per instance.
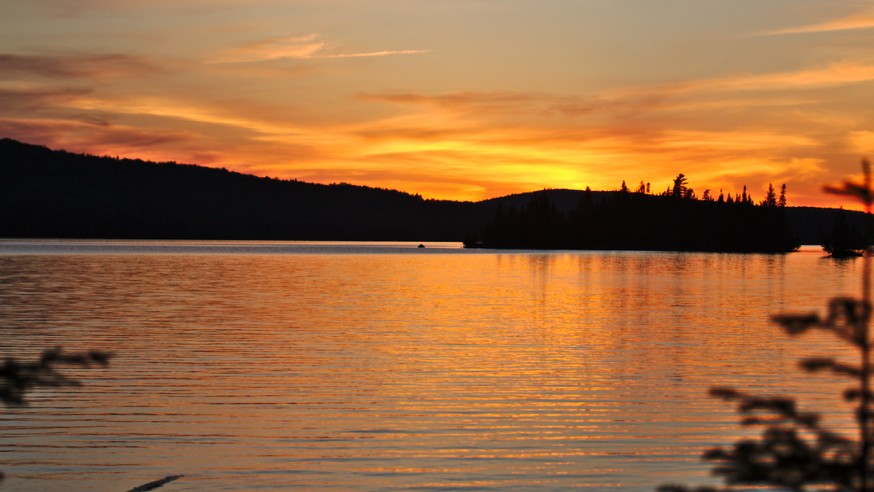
[455, 100]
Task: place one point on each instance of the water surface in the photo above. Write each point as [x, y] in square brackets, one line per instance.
[275, 366]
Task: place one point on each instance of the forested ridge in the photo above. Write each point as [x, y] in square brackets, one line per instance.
[48, 193]
[672, 221]
[56, 194]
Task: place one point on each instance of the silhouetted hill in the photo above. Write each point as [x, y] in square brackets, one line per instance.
[640, 221]
[48, 193]
[57, 194]
[806, 223]
[810, 223]
[563, 199]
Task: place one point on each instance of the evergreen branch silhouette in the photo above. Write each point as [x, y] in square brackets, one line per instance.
[817, 364]
[861, 191]
[18, 378]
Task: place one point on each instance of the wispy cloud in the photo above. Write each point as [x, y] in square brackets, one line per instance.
[73, 65]
[461, 101]
[308, 47]
[840, 73]
[299, 47]
[84, 137]
[370, 54]
[530, 103]
[860, 20]
[33, 97]
[534, 139]
[835, 74]
[172, 109]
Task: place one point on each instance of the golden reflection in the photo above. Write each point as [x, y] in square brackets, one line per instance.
[550, 370]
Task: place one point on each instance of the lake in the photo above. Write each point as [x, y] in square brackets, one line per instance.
[382, 366]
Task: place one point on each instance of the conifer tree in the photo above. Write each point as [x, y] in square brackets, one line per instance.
[770, 198]
[679, 188]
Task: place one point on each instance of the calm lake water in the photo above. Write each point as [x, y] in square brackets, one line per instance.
[339, 366]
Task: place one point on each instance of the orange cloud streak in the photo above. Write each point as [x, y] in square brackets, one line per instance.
[306, 47]
[861, 20]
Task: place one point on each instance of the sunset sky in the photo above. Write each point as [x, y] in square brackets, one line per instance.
[457, 99]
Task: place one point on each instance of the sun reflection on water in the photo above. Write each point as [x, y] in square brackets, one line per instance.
[391, 371]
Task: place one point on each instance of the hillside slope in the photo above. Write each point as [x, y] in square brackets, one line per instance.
[47, 193]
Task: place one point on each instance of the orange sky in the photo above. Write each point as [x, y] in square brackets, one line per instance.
[459, 99]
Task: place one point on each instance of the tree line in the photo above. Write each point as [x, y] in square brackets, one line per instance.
[674, 220]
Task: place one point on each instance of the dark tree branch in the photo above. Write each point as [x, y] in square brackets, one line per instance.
[17, 378]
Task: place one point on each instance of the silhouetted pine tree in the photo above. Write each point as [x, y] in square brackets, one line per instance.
[770, 198]
[679, 188]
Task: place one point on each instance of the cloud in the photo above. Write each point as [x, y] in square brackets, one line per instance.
[300, 47]
[447, 132]
[512, 103]
[836, 74]
[707, 95]
[736, 141]
[307, 47]
[45, 132]
[456, 100]
[74, 65]
[121, 137]
[861, 20]
[242, 133]
[178, 110]
[34, 98]
[84, 137]
[371, 54]
[410, 132]
[466, 185]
